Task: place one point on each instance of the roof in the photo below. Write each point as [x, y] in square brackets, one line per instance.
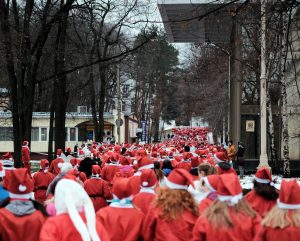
[189, 21]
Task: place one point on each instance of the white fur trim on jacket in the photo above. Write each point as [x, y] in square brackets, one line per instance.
[287, 205]
[21, 196]
[149, 166]
[231, 199]
[173, 185]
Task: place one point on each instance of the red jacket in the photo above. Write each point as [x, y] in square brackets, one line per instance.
[261, 205]
[244, 228]
[184, 165]
[61, 228]
[143, 200]
[25, 154]
[108, 172]
[271, 234]
[41, 182]
[206, 202]
[121, 223]
[157, 229]
[54, 166]
[99, 192]
[222, 171]
[135, 183]
[27, 227]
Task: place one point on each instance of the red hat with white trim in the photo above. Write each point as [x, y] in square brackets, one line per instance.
[2, 171]
[25, 143]
[148, 178]
[121, 188]
[289, 195]
[211, 182]
[221, 157]
[19, 183]
[263, 175]
[44, 164]
[229, 189]
[179, 179]
[145, 163]
[194, 162]
[96, 171]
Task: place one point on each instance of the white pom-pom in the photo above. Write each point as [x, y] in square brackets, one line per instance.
[135, 162]
[59, 165]
[272, 184]
[22, 188]
[123, 201]
[144, 183]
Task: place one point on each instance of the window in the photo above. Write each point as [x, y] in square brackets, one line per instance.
[72, 134]
[35, 134]
[6, 134]
[44, 134]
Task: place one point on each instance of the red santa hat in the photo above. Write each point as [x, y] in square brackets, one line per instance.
[117, 149]
[73, 162]
[19, 184]
[8, 162]
[263, 175]
[69, 149]
[289, 195]
[59, 152]
[194, 162]
[145, 163]
[71, 198]
[221, 157]
[25, 143]
[121, 189]
[96, 171]
[2, 171]
[179, 179]
[148, 178]
[114, 157]
[211, 182]
[44, 164]
[229, 189]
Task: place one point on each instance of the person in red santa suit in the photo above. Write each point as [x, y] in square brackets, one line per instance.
[222, 163]
[230, 218]
[186, 162]
[282, 223]
[109, 170]
[75, 219]
[264, 195]
[19, 220]
[143, 200]
[121, 219]
[26, 156]
[174, 211]
[97, 189]
[54, 166]
[141, 164]
[41, 181]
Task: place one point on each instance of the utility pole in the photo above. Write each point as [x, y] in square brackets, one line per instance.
[263, 159]
[119, 103]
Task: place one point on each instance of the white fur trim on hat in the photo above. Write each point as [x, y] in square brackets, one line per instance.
[231, 199]
[148, 189]
[149, 166]
[70, 197]
[208, 184]
[287, 206]
[144, 184]
[217, 159]
[22, 188]
[173, 185]
[2, 173]
[21, 196]
[260, 180]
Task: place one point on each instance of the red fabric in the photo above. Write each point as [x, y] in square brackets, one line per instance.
[184, 165]
[121, 223]
[204, 204]
[82, 176]
[26, 158]
[99, 191]
[41, 181]
[244, 228]
[143, 201]
[157, 229]
[54, 166]
[108, 172]
[221, 171]
[135, 184]
[270, 234]
[261, 205]
[61, 228]
[13, 228]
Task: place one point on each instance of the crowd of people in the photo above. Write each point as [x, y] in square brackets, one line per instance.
[180, 189]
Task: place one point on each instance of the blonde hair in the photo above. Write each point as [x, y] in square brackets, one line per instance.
[207, 168]
[282, 218]
[173, 202]
[218, 213]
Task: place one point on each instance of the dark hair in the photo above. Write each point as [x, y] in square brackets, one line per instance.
[123, 150]
[194, 171]
[159, 173]
[187, 148]
[230, 141]
[38, 206]
[167, 164]
[86, 166]
[265, 190]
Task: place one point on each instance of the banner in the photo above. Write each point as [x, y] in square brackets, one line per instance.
[144, 128]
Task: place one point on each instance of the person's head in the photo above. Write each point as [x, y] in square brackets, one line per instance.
[206, 169]
[123, 150]
[159, 173]
[286, 212]
[263, 184]
[187, 148]
[167, 164]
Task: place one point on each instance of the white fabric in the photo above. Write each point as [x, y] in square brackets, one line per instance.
[147, 190]
[287, 206]
[21, 196]
[149, 166]
[173, 185]
[217, 159]
[2, 173]
[208, 185]
[231, 199]
[196, 192]
[260, 180]
[121, 205]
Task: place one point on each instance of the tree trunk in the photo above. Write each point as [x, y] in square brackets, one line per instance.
[51, 122]
[101, 105]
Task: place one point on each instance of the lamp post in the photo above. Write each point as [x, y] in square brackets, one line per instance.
[263, 159]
